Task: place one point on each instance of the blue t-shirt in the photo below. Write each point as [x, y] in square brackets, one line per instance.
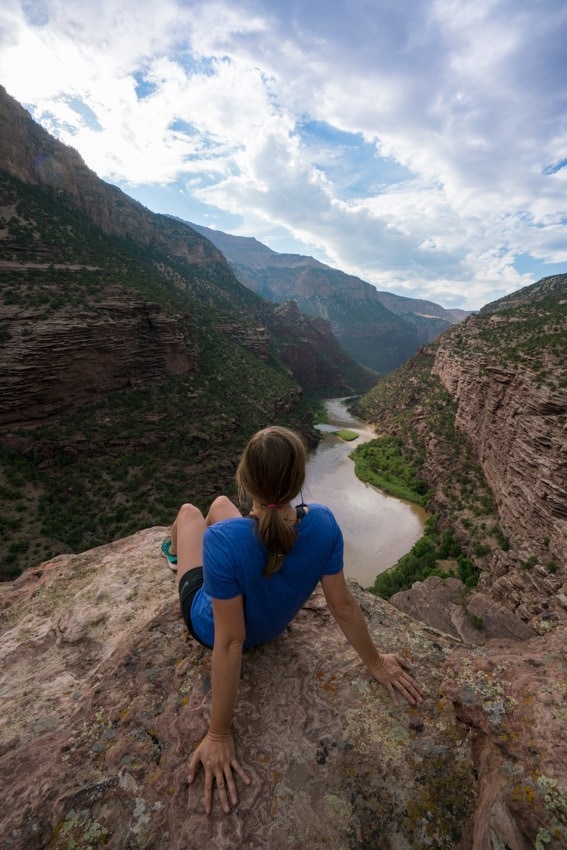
[234, 558]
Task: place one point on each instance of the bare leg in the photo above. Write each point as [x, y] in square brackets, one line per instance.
[221, 508]
[189, 527]
[187, 538]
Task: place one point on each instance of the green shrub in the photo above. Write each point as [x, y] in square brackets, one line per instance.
[389, 464]
[421, 562]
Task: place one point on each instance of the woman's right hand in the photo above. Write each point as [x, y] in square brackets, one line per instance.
[217, 754]
[391, 671]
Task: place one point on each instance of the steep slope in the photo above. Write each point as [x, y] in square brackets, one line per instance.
[484, 410]
[183, 257]
[121, 396]
[429, 318]
[506, 369]
[133, 364]
[379, 329]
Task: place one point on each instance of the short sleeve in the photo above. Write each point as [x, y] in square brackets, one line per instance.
[219, 570]
[335, 559]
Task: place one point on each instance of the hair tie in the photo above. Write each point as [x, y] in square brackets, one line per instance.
[272, 507]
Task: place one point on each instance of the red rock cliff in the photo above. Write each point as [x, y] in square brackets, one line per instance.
[505, 368]
[510, 422]
[51, 364]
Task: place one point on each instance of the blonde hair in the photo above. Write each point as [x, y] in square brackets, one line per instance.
[271, 472]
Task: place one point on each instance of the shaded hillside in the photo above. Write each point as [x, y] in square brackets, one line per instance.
[429, 318]
[184, 259]
[130, 377]
[121, 397]
[379, 329]
[482, 412]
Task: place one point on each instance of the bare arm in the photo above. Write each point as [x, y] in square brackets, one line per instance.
[216, 752]
[388, 669]
[226, 663]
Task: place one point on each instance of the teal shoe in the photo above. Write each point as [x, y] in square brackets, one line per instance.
[171, 559]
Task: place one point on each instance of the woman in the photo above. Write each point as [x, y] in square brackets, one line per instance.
[243, 579]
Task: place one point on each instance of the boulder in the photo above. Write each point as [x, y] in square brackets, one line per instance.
[105, 695]
[472, 616]
[513, 698]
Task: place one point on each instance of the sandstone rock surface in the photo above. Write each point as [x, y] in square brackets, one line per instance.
[514, 699]
[472, 617]
[104, 697]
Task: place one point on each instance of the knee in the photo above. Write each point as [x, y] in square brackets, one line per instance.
[189, 513]
[221, 503]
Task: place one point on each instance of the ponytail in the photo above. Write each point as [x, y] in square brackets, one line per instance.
[271, 472]
[278, 536]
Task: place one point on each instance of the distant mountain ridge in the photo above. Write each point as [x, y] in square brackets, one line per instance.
[184, 258]
[379, 329]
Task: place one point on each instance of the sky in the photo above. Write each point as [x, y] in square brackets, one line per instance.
[421, 145]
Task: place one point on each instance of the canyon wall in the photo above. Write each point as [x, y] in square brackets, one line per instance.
[510, 388]
[509, 421]
[52, 364]
[482, 415]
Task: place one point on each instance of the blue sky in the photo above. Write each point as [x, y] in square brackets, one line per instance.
[422, 146]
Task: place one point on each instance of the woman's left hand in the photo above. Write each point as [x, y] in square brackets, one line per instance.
[217, 754]
[391, 671]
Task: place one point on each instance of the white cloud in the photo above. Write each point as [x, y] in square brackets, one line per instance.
[468, 97]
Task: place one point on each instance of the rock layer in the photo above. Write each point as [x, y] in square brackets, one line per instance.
[516, 428]
[506, 416]
[52, 364]
[473, 617]
[105, 696]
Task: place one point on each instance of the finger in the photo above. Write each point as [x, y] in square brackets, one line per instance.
[405, 693]
[416, 692]
[392, 693]
[413, 686]
[402, 661]
[231, 786]
[222, 793]
[193, 766]
[241, 772]
[208, 793]
[413, 690]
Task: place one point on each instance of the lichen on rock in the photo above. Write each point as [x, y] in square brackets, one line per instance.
[105, 696]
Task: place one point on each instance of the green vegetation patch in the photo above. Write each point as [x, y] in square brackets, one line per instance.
[386, 463]
[129, 460]
[346, 435]
[423, 561]
[525, 332]
[412, 406]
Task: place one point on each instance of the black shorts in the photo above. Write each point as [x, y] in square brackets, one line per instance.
[189, 584]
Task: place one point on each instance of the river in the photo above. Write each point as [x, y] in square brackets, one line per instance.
[377, 529]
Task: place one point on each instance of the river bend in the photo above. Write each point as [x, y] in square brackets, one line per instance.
[377, 529]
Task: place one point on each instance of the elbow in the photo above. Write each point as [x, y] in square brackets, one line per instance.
[230, 645]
